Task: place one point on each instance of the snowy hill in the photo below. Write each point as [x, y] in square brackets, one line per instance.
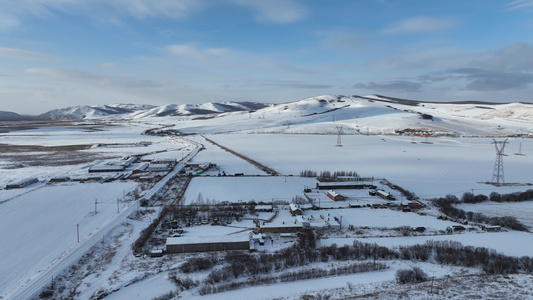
[372, 114]
[11, 116]
[91, 112]
[134, 111]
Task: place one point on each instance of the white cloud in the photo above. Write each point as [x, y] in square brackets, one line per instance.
[418, 25]
[275, 11]
[8, 22]
[21, 54]
[95, 79]
[108, 65]
[102, 10]
[175, 9]
[391, 86]
[347, 41]
[520, 4]
[189, 51]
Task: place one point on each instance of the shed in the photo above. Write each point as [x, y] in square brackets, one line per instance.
[335, 196]
[295, 209]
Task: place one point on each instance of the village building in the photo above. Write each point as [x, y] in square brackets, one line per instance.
[141, 168]
[264, 208]
[278, 227]
[22, 183]
[60, 179]
[159, 167]
[344, 183]
[295, 209]
[207, 244]
[385, 195]
[335, 196]
[106, 169]
[129, 161]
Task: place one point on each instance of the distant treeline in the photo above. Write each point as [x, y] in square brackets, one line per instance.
[328, 174]
[446, 206]
[496, 197]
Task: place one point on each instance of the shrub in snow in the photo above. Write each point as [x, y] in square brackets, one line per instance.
[415, 275]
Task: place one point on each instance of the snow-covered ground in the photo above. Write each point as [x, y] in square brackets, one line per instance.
[41, 226]
[39, 222]
[446, 166]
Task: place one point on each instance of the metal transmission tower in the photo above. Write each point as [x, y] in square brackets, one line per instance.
[497, 173]
[339, 133]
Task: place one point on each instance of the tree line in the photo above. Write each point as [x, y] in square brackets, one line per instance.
[446, 206]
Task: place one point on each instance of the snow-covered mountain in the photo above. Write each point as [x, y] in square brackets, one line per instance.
[11, 116]
[134, 111]
[374, 114]
[197, 109]
[90, 112]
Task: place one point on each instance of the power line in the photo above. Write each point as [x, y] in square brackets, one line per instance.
[497, 173]
[339, 133]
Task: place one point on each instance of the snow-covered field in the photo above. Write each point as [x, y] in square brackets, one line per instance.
[41, 226]
[39, 222]
[446, 166]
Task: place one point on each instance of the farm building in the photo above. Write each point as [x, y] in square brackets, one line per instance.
[335, 196]
[129, 161]
[141, 168]
[106, 168]
[264, 208]
[170, 161]
[323, 184]
[60, 179]
[295, 209]
[159, 167]
[22, 183]
[318, 222]
[385, 195]
[414, 205]
[206, 244]
[281, 227]
[493, 228]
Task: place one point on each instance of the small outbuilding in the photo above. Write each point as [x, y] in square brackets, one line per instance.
[295, 209]
[335, 196]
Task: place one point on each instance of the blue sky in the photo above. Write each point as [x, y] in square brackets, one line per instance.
[60, 53]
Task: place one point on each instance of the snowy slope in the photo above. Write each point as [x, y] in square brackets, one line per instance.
[134, 111]
[91, 112]
[11, 116]
[369, 115]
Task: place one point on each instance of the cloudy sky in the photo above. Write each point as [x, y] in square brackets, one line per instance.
[60, 53]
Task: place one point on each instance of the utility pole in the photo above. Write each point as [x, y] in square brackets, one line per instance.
[78, 231]
[118, 206]
[95, 205]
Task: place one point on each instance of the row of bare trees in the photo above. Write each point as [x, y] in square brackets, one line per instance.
[446, 206]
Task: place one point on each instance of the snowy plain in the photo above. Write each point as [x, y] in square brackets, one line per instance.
[300, 137]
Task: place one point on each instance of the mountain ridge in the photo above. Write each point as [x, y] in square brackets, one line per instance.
[139, 111]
